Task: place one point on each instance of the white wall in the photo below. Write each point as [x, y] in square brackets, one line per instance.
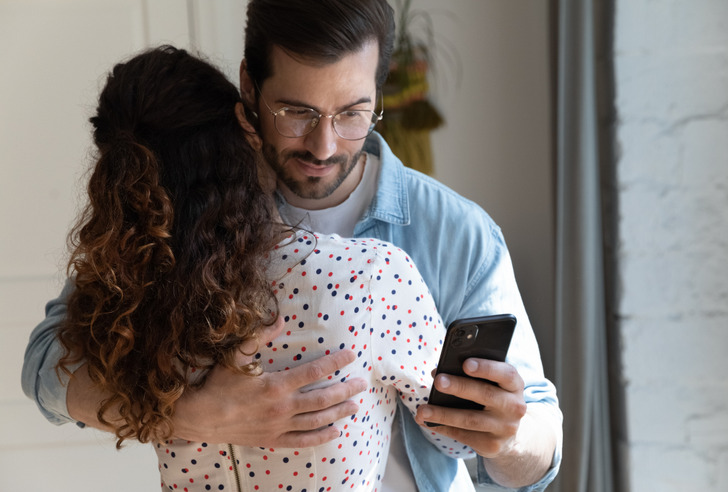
[671, 61]
[494, 149]
[54, 56]
[51, 56]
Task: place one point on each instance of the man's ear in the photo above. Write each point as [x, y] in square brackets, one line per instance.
[247, 88]
[250, 134]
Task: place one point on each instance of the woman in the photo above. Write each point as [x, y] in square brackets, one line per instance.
[179, 259]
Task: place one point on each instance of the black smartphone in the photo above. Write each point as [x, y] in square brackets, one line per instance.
[484, 337]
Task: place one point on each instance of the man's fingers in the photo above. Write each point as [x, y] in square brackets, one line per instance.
[310, 372]
[488, 445]
[471, 420]
[324, 398]
[485, 432]
[505, 397]
[270, 333]
[266, 335]
[475, 390]
[503, 374]
[317, 420]
[308, 438]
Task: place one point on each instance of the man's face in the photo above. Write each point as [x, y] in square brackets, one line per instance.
[320, 169]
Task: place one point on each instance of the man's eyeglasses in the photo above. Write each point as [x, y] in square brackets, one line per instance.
[350, 124]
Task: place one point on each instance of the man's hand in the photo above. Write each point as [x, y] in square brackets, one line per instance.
[489, 431]
[268, 410]
[517, 446]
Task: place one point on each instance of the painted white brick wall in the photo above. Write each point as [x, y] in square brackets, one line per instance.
[671, 65]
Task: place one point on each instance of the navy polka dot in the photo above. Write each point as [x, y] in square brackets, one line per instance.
[380, 308]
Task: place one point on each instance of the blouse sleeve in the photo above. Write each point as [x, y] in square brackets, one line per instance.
[407, 335]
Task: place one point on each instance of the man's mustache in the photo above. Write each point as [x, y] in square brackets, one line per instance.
[308, 157]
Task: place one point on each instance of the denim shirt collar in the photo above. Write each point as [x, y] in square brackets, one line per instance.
[391, 202]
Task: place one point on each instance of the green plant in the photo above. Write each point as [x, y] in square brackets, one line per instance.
[410, 115]
[407, 87]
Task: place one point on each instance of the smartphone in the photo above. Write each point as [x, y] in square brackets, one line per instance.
[484, 337]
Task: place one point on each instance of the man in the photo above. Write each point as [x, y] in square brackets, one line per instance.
[311, 78]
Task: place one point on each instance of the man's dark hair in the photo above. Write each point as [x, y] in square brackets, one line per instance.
[319, 30]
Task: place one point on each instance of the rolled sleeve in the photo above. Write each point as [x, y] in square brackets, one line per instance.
[40, 380]
[485, 481]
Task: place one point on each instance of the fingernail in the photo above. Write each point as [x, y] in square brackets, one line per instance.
[425, 412]
[471, 365]
[444, 381]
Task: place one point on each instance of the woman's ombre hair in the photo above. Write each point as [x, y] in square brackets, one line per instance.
[168, 255]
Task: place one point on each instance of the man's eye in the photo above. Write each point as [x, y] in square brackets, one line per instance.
[350, 115]
[298, 112]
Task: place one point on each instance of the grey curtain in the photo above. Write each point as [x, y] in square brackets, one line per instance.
[582, 262]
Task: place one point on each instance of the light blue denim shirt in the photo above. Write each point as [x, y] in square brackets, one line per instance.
[39, 378]
[463, 258]
[460, 253]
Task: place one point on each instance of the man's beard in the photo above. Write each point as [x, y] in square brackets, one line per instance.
[311, 187]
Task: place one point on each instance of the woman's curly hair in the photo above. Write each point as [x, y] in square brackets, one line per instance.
[168, 255]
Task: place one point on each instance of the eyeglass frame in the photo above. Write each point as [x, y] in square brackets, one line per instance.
[319, 116]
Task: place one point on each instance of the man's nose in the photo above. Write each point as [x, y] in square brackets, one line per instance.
[322, 141]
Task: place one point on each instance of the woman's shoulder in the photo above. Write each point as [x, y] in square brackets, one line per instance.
[369, 249]
[336, 258]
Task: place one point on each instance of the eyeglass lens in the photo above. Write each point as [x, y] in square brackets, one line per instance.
[350, 125]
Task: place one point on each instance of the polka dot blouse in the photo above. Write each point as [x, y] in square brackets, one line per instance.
[334, 293]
